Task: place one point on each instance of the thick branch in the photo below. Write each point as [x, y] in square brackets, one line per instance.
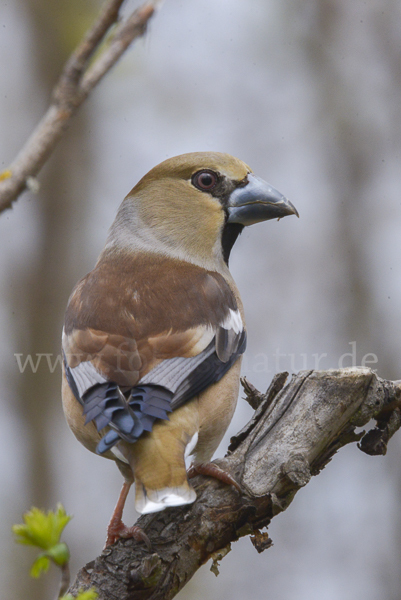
[76, 82]
[294, 433]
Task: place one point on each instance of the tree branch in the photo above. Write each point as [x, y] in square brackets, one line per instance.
[77, 80]
[294, 433]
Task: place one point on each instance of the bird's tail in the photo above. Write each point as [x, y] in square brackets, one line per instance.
[158, 463]
[149, 500]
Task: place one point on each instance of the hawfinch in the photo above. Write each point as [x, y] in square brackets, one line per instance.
[154, 335]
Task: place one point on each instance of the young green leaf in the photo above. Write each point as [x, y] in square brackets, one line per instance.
[41, 565]
[41, 529]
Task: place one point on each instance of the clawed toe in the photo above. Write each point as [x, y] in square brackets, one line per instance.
[137, 533]
[212, 470]
[119, 530]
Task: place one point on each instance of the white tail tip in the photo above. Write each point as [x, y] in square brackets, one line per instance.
[156, 500]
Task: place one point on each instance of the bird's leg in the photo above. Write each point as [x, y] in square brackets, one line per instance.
[212, 470]
[116, 528]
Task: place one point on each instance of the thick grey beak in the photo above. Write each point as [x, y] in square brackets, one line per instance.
[257, 201]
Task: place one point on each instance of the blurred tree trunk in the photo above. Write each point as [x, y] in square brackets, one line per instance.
[43, 291]
[360, 113]
[357, 141]
[350, 154]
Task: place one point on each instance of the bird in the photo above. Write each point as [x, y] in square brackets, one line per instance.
[154, 334]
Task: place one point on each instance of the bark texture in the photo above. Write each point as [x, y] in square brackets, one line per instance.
[295, 431]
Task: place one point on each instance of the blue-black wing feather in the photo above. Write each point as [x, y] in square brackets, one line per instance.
[128, 417]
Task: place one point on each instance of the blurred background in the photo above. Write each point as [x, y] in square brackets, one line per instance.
[307, 92]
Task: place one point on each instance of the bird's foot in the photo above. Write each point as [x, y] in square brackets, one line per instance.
[212, 470]
[117, 530]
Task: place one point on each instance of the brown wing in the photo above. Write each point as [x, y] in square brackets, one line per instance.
[120, 359]
[151, 322]
[143, 296]
[131, 312]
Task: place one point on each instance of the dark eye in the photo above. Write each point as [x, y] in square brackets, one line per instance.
[205, 180]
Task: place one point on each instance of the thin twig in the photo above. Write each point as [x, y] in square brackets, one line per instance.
[133, 27]
[65, 579]
[76, 81]
[78, 60]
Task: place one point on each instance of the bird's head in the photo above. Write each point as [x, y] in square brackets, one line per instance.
[193, 207]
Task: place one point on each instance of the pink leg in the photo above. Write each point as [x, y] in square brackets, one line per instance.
[212, 470]
[116, 528]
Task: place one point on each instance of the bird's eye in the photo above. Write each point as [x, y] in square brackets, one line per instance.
[205, 180]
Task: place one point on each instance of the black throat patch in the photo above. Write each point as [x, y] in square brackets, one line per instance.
[230, 233]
